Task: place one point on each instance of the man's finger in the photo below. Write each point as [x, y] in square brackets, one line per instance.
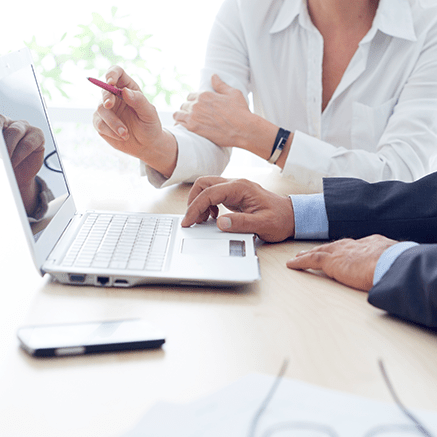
[327, 247]
[3, 121]
[13, 135]
[241, 223]
[311, 260]
[208, 197]
[203, 183]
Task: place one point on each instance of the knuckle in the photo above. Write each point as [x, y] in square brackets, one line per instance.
[16, 128]
[99, 124]
[247, 184]
[100, 109]
[193, 96]
[204, 96]
[242, 181]
[192, 124]
[113, 69]
[24, 124]
[35, 137]
[185, 106]
[26, 146]
[199, 181]
[317, 257]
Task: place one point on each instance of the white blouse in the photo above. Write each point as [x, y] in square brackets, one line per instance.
[381, 122]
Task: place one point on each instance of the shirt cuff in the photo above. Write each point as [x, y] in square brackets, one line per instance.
[310, 217]
[197, 156]
[309, 160]
[388, 257]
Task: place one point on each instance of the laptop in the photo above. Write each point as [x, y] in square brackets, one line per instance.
[101, 248]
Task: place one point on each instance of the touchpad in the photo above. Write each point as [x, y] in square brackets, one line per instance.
[213, 247]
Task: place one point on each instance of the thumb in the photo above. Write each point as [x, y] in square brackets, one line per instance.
[139, 103]
[219, 86]
[237, 222]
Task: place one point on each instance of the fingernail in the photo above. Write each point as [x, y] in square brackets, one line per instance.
[107, 103]
[129, 93]
[122, 131]
[224, 222]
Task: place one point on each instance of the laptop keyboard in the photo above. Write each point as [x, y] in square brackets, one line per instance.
[108, 241]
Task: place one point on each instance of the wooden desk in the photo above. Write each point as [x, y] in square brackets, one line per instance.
[329, 332]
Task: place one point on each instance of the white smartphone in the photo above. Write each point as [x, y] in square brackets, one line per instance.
[89, 337]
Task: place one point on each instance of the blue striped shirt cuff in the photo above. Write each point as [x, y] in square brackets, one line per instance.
[310, 217]
[388, 257]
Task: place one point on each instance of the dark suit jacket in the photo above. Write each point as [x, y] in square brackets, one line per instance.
[398, 210]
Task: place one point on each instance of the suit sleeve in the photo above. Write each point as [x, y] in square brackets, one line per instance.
[398, 210]
[409, 288]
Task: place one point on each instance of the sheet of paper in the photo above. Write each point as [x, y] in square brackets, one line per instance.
[296, 409]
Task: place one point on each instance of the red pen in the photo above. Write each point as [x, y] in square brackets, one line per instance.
[111, 88]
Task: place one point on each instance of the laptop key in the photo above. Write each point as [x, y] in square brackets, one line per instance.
[159, 244]
[100, 264]
[118, 264]
[136, 264]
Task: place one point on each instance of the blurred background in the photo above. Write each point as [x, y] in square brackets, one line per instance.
[160, 43]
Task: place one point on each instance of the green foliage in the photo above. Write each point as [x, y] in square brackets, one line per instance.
[98, 45]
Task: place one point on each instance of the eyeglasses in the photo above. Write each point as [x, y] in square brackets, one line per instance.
[301, 428]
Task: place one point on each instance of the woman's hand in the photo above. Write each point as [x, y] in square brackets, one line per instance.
[256, 210]
[224, 118]
[132, 124]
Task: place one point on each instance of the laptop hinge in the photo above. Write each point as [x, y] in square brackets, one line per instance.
[56, 251]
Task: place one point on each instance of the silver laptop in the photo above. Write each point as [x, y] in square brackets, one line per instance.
[101, 248]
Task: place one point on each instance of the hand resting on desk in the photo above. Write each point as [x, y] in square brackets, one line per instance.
[351, 262]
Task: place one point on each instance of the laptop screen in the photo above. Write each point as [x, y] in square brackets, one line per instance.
[31, 148]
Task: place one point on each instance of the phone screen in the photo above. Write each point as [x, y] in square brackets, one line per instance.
[90, 337]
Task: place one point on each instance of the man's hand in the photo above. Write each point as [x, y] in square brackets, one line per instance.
[256, 210]
[351, 262]
[132, 124]
[25, 145]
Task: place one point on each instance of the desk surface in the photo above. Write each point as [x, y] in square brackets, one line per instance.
[330, 334]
